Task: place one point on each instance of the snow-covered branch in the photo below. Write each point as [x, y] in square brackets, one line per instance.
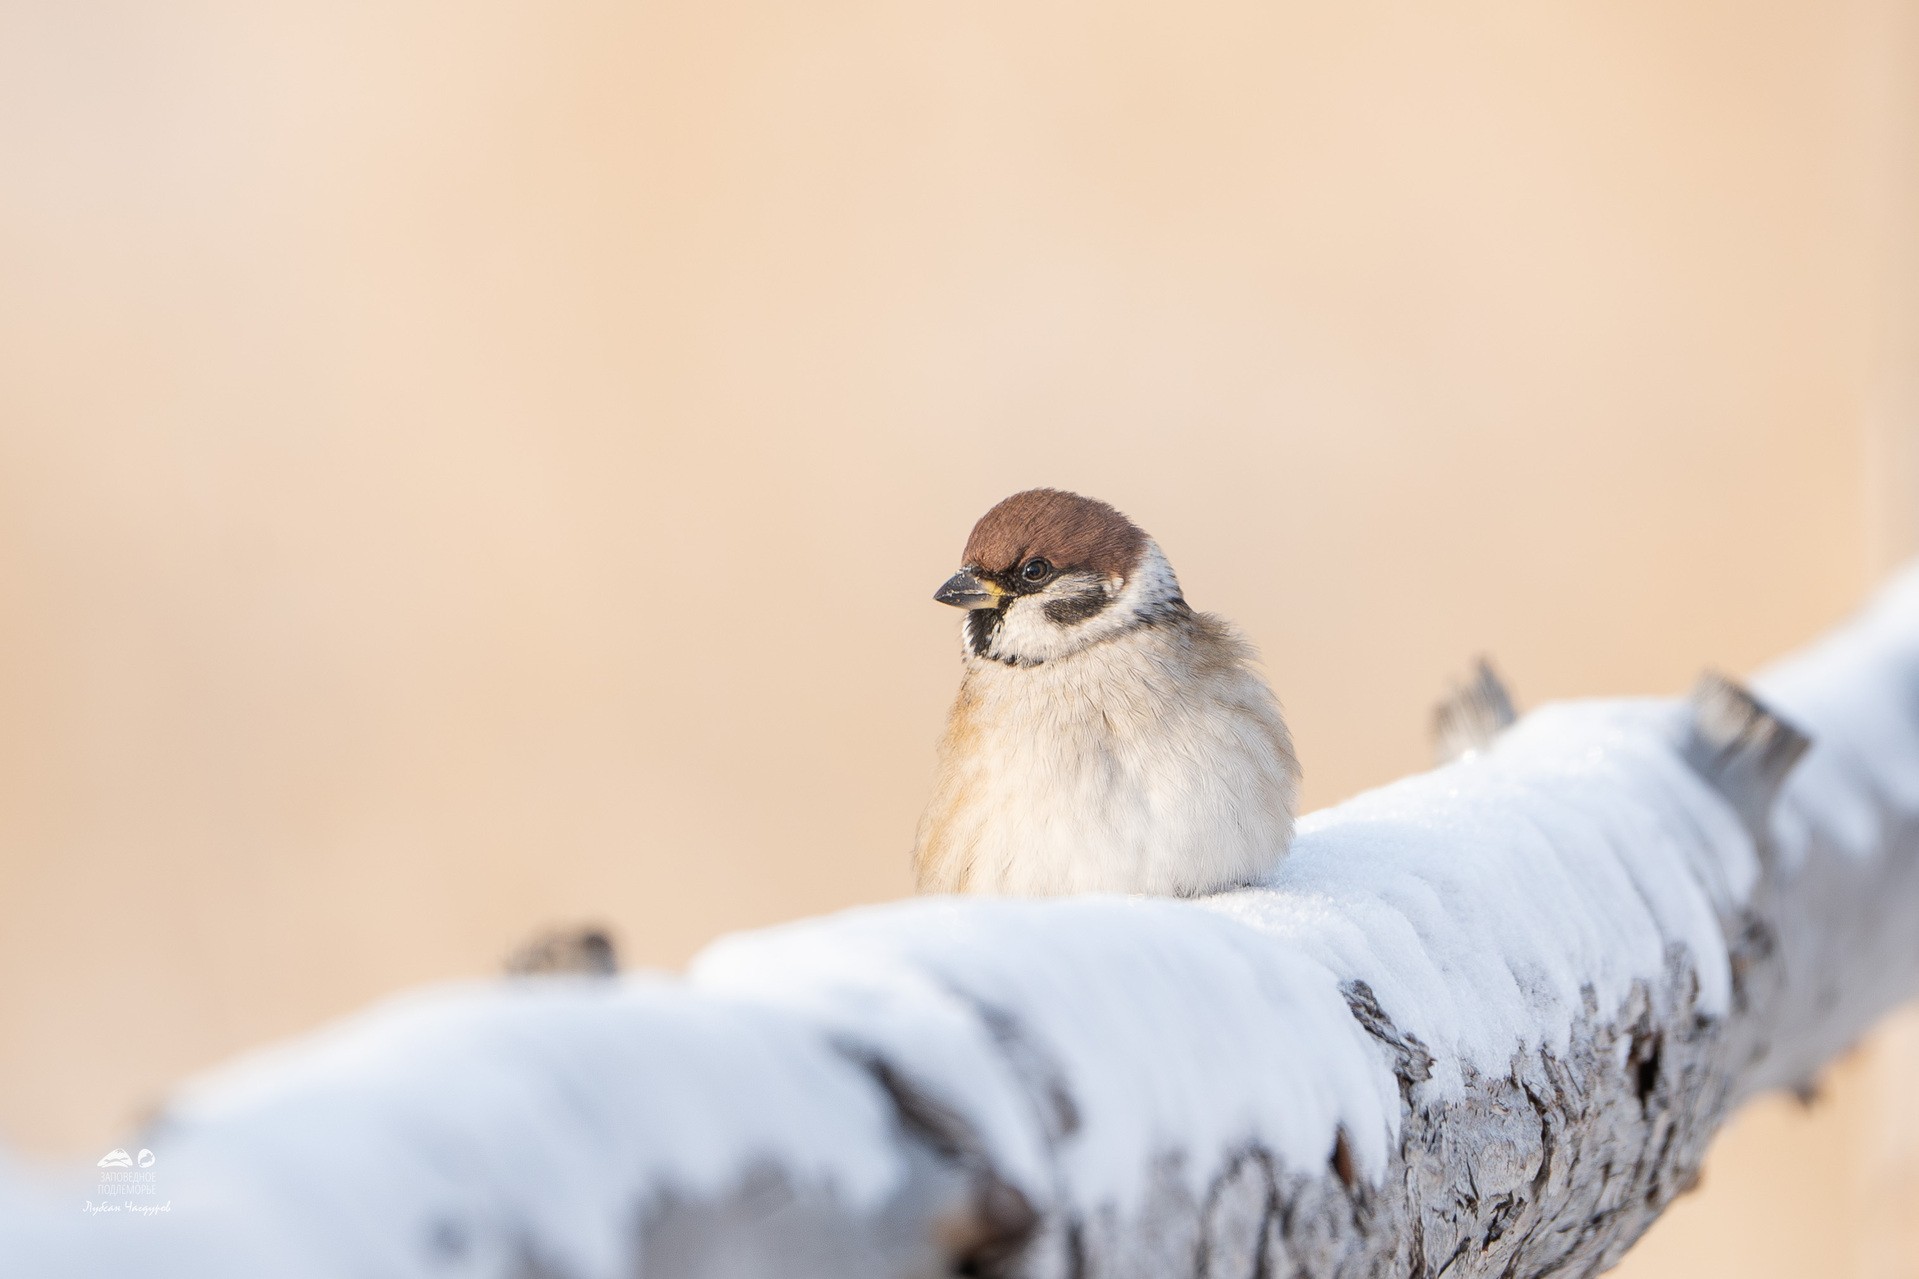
[1483, 1021]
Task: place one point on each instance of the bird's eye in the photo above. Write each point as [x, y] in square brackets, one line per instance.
[1035, 570]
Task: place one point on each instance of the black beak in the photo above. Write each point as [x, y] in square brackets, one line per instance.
[964, 590]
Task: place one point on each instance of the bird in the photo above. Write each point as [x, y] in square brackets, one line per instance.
[1106, 736]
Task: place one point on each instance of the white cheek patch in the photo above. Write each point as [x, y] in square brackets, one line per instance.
[1027, 635]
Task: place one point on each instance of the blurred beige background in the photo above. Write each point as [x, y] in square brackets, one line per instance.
[469, 466]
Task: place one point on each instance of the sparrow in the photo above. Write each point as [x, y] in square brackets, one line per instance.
[1106, 737]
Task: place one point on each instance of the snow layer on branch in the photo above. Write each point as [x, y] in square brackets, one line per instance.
[1573, 857]
[1077, 1045]
[443, 1129]
[1857, 692]
[1169, 1026]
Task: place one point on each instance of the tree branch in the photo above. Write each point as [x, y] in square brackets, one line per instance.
[1482, 1022]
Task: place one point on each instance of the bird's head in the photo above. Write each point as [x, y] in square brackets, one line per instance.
[1047, 573]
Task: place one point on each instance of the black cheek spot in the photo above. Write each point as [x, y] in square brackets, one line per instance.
[1077, 608]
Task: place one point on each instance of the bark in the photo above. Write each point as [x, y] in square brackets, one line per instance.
[1483, 1023]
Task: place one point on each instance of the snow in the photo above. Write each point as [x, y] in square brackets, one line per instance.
[451, 1130]
[1857, 691]
[1574, 853]
[442, 1129]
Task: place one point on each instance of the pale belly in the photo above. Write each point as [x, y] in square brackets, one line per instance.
[1117, 787]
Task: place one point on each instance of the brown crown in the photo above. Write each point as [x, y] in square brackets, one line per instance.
[1071, 531]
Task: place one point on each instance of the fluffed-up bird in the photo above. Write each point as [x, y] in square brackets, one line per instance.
[1106, 737]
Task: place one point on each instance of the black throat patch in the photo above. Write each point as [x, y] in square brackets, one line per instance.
[981, 625]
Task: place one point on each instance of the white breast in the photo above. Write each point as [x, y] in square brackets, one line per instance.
[1155, 762]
